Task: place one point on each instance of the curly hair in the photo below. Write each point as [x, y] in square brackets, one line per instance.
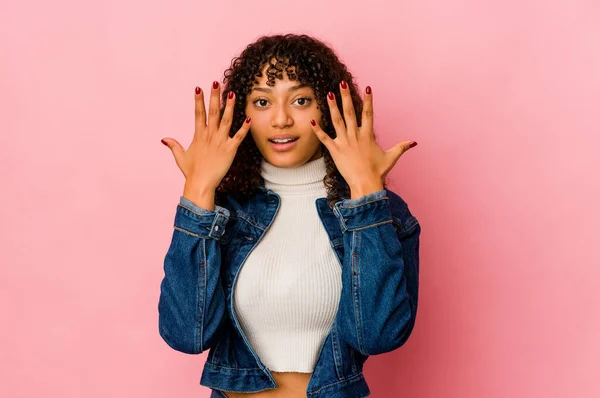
[304, 59]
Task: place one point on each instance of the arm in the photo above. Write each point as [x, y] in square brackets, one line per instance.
[378, 305]
[192, 302]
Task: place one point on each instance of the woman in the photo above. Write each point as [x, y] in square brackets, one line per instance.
[330, 256]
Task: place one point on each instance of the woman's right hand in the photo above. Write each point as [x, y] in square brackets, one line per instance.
[211, 153]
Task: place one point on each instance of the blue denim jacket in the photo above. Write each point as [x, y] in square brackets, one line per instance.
[376, 240]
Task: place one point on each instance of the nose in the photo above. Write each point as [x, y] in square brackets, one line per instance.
[281, 117]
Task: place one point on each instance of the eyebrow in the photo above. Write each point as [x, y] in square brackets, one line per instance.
[268, 90]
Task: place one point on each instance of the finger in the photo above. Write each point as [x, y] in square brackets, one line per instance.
[349, 113]
[227, 114]
[336, 117]
[241, 133]
[214, 107]
[200, 111]
[322, 136]
[366, 123]
[175, 147]
[397, 150]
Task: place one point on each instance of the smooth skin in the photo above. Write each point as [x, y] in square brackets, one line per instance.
[211, 153]
[356, 154]
[284, 108]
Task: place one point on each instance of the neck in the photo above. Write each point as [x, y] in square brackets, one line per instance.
[304, 179]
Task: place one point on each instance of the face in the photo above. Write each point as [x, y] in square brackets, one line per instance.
[284, 108]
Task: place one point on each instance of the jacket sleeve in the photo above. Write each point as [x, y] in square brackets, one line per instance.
[378, 305]
[192, 302]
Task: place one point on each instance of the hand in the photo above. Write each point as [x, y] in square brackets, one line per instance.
[358, 157]
[211, 153]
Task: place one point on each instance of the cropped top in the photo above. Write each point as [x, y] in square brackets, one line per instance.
[288, 289]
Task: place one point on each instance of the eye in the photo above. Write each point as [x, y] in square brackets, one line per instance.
[305, 101]
[260, 99]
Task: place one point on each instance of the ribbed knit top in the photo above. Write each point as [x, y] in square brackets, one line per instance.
[288, 289]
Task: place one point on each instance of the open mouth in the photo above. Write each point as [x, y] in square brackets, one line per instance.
[283, 145]
[284, 141]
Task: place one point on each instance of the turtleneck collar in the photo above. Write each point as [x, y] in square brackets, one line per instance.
[303, 179]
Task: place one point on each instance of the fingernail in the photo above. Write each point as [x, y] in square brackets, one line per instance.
[330, 95]
[313, 122]
[230, 95]
[368, 89]
[215, 84]
[248, 119]
[344, 85]
[164, 142]
[412, 144]
[198, 90]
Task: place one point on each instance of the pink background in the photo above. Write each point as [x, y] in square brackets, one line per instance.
[502, 99]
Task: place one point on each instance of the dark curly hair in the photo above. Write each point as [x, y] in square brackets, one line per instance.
[304, 59]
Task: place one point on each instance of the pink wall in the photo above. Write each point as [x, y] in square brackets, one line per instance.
[502, 99]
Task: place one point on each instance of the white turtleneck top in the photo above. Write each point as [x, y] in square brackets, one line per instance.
[288, 289]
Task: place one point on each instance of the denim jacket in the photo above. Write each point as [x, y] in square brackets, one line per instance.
[376, 240]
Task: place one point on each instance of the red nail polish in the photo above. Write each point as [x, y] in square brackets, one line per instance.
[412, 144]
[164, 142]
[344, 85]
[215, 84]
[198, 90]
[248, 119]
[230, 95]
[313, 122]
[330, 95]
[368, 89]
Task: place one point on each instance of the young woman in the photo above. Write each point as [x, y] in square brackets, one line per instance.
[290, 261]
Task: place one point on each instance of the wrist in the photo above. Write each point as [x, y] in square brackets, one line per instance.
[202, 197]
[363, 189]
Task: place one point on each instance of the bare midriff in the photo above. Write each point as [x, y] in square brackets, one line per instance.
[289, 385]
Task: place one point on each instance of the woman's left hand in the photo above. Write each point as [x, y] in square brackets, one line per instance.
[358, 157]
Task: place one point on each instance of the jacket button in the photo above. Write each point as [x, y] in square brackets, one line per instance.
[216, 227]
